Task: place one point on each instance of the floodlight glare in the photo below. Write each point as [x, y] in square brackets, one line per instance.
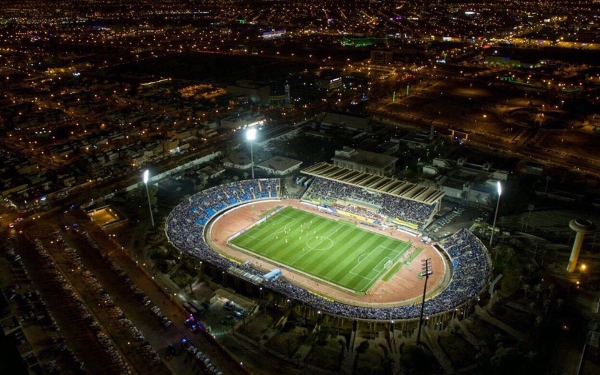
[496, 216]
[251, 134]
[145, 178]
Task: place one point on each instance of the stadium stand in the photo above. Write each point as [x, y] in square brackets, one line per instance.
[207, 203]
[471, 264]
[396, 208]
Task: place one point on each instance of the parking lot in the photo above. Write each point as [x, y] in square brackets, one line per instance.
[96, 310]
[55, 320]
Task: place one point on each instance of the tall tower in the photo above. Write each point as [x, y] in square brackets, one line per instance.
[582, 227]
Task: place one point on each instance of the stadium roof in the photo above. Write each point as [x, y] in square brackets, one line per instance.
[402, 189]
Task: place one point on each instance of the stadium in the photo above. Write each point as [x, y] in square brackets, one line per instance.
[350, 248]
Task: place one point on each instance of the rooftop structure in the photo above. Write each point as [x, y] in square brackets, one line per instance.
[402, 189]
[468, 181]
[279, 165]
[364, 161]
[240, 160]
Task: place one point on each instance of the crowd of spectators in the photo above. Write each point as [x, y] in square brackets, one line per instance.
[207, 203]
[389, 205]
[185, 224]
[359, 211]
[471, 265]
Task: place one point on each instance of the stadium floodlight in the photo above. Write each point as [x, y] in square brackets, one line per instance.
[496, 214]
[251, 136]
[146, 173]
[425, 271]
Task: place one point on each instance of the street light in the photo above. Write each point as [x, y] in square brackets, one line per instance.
[251, 136]
[148, 194]
[496, 214]
[425, 271]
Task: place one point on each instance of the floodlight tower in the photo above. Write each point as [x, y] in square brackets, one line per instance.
[582, 227]
[496, 214]
[425, 271]
[148, 194]
[251, 136]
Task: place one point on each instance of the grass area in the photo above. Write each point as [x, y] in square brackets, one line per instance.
[325, 357]
[286, 343]
[335, 251]
[458, 350]
[397, 266]
[393, 271]
[414, 255]
[373, 357]
[257, 326]
[489, 333]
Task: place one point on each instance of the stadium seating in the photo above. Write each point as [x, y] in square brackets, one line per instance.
[389, 205]
[207, 203]
[471, 264]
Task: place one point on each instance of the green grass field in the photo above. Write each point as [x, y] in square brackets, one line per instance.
[335, 251]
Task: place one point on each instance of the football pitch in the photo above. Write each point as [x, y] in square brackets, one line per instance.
[336, 251]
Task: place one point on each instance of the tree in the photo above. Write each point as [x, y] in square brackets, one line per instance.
[506, 360]
[538, 289]
[162, 266]
[362, 348]
[322, 336]
[342, 351]
[416, 360]
[547, 302]
[543, 252]
[510, 252]
[539, 319]
[531, 356]
[498, 338]
[385, 350]
[202, 180]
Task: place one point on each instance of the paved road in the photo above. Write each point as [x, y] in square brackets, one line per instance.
[166, 301]
[77, 332]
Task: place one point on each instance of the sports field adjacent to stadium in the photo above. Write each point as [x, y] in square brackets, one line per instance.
[333, 250]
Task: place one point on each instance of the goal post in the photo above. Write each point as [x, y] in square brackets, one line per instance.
[388, 264]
